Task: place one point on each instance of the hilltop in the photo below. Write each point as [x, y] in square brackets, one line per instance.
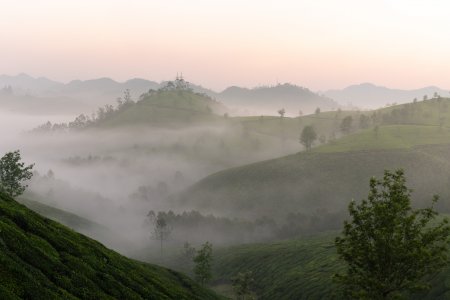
[42, 259]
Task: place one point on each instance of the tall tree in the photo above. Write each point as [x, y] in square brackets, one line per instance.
[388, 246]
[161, 229]
[202, 260]
[308, 137]
[13, 174]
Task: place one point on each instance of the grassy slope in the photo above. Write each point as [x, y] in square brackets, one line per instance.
[306, 182]
[298, 269]
[41, 259]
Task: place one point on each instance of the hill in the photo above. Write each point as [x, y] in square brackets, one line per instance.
[166, 107]
[268, 100]
[326, 178]
[298, 269]
[42, 259]
[368, 95]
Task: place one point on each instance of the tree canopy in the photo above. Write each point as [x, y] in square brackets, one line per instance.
[13, 174]
[389, 248]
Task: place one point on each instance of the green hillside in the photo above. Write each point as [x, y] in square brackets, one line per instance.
[167, 108]
[331, 174]
[298, 269]
[42, 259]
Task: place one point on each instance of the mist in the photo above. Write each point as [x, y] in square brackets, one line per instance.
[115, 176]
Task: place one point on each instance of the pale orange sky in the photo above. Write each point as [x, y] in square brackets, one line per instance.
[314, 43]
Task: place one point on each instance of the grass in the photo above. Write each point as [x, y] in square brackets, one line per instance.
[41, 259]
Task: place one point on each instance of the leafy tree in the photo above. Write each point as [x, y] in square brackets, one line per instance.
[388, 247]
[308, 137]
[202, 260]
[13, 173]
[346, 124]
[242, 285]
[281, 112]
[425, 97]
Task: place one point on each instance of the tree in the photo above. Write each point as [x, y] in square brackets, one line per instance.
[161, 229]
[13, 173]
[317, 111]
[346, 124]
[202, 260]
[188, 252]
[242, 285]
[363, 121]
[281, 112]
[308, 137]
[389, 247]
[425, 97]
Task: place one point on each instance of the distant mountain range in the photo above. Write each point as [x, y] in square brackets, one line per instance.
[82, 96]
[368, 95]
[270, 99]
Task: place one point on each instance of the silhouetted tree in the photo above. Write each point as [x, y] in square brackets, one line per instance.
[281, 112]
[308, 137]
[161, 229]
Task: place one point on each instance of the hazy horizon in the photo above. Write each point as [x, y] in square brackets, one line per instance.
[317, 44]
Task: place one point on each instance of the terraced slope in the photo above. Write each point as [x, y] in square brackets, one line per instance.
[298, 269]
[41, 259]
[329, 176]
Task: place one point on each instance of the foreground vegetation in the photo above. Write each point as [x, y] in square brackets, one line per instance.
[298, 269]
[42, 259]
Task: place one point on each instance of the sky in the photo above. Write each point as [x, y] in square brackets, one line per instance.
[319, 44]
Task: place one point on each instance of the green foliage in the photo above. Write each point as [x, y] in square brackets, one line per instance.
[242, 285]
[41, 259]
[13, 173]
[389, 247]
[202, 260]
[308, 137]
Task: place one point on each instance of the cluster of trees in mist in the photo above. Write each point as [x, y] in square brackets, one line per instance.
[195, 227]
